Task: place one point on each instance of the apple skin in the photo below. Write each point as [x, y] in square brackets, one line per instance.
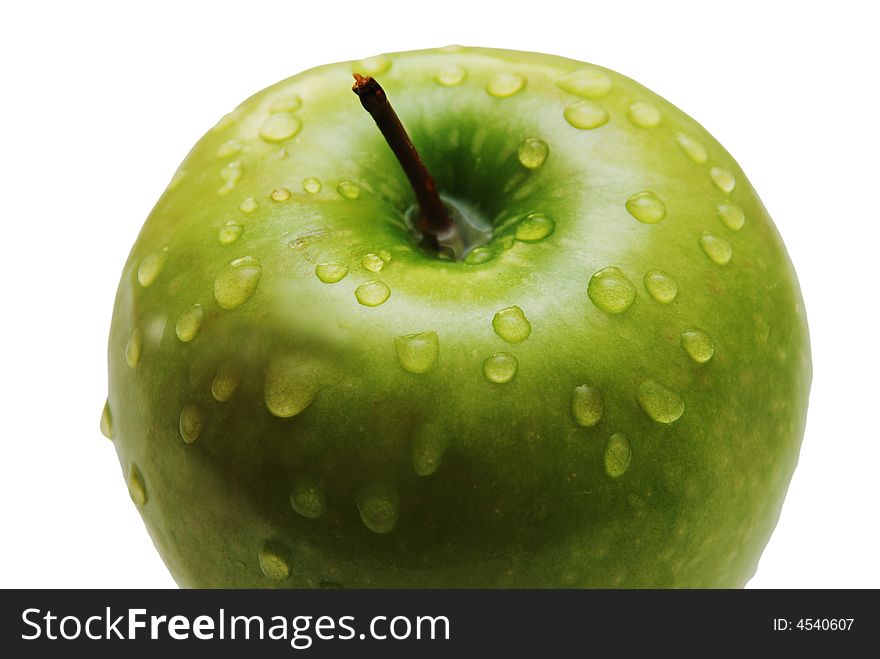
[443, 478]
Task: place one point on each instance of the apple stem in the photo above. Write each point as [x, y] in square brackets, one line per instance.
[435, 221]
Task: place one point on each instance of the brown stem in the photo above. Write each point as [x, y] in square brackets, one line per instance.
[435, 218]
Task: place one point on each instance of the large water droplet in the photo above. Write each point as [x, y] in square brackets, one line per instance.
[373, 263]
[643, 115]
[585, 115]
[107, 421]
[587, 406]
[731, 215]
[237, 282]
[618, 455]
[330, 273]
[191, 422]
[722, 179]
[372, 293]
[451, 75]
[717, 249]
[229, 232]
[274, 561]
[532, 153]
[698, 345]
[290, 387]
[646, 207]
[534, 228]
[348, 190]
[512, 325]
[660, 402]
[285, 103]
[229, 148]
[373, 66]
[479, 255]
[280, 194]
[189, 323]
[308, 497]
[151, 266]
[661, 286]
[611, 290]
[226, 381]
[588, 82]
[137, 489]
[312, 185]
[279, 127]
[506, 84]
[417, 353]
[134, 347]
[693, 148]
[429, 446]
[500, 368]
[379, 506]
[248, 205]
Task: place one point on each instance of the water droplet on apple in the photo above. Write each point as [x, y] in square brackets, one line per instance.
[229, 148]
[373, 263]
[289, 387]
[731, 215]
[237, 282]
[248, 205]
[285, 103]
[532, 153]
[417, 353]
[312, 185]
[189, 323]
[587, 406]
[372, 293]
[722, 179]
[229, 232]
[226, 381]
[506, 84]
[717, 249]
[512, 325]
[137, 490]
[534, 228]
[618, 455]
[646, 207]
[451, 75]
[429, 447]
[107, 421]
[134, 347]
[611, 290]
[698, 345]
[660, 402]
[280, 194]
[191, 422]
[379, 506]
[151, 266]
[693, 148]
[643, 115]
[588, 82]
[308, 497]
[661, 286]
[500, 368]
[585, 115]
[373, 66]
[348, 190]
[279, 127]
[332, 272]
[479, 255]
[230, 174]
[274, 562]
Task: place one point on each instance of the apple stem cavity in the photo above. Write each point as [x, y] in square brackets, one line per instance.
[434, 222]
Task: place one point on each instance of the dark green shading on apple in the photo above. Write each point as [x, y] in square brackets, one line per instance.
[608, 389]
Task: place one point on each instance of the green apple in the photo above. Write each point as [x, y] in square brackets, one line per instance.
[606, 386]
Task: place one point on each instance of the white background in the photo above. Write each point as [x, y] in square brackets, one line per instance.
[101, 101]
